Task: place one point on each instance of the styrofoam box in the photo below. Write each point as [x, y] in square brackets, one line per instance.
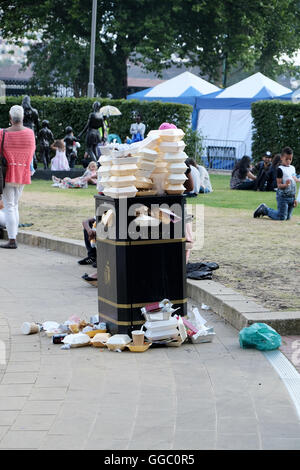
[177, 168]
[125, 160]
[105, 160]
[176, 178]
[144, 183]
[104, 171]
[106, 149]
[117, 193]
[174, 189]
[143, 173]
[148, 154]
[156, 336]
[122, 181]
[171, 135]
[146, 165]
[161, 325]
[123, 170]
[172, 147]
[178, 157]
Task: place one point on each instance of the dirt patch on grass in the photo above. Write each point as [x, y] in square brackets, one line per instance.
[258, 257]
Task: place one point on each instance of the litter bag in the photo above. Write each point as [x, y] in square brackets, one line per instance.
[260, 336]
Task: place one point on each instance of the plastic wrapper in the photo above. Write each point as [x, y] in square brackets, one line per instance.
[260, 336]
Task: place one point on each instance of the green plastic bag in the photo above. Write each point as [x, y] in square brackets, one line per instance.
[260, 336]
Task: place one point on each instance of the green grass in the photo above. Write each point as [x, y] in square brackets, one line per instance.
[44, 186]
[224, 197]
[221, 197]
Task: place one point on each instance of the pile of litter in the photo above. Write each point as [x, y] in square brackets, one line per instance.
[161, 327]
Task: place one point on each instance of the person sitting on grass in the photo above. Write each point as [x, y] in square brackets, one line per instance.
[60, 161]
[89, 176]
[241, 176]
[286, 190]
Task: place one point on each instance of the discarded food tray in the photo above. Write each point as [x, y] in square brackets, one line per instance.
[139, 348]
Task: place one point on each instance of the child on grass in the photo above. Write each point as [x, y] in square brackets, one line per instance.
[89, 176]
[286, 192]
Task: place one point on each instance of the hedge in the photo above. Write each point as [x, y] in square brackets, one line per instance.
[62, 112]
[276, 125]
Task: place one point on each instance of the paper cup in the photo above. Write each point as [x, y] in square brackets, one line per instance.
[30, 328]
[138, 337]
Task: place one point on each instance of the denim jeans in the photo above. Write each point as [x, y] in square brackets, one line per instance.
[285, 206]
[247, 185]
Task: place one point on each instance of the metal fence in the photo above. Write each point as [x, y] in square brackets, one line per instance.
[221, 154]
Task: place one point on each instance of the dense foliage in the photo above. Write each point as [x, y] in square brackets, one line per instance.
[216, 36]
[62, 112]
[276, 125]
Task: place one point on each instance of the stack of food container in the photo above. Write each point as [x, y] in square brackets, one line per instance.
[118, 174]
[171, 148]
[146, 166]
[160, 325]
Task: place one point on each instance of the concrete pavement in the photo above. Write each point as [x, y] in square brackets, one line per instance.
[206, 396]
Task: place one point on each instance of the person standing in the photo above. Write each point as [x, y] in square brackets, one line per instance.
[18, 150]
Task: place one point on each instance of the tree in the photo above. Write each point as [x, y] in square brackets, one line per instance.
[216, 36]
[223, 34]
[122, 28]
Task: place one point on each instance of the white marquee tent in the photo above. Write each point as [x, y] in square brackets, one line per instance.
[224, 118]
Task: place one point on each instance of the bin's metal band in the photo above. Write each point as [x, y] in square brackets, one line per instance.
[121, 323]
[140, 242]
[140, 305]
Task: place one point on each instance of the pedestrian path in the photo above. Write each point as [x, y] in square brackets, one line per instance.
[206, 396]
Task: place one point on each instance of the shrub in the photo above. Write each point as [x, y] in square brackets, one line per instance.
[276, 125]
[62, 112]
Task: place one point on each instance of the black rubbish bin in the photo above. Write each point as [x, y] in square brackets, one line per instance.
[137, 266]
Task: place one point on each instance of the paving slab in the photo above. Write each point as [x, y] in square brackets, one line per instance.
[207, 396]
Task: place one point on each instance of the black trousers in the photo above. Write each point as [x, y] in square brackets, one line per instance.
[91, 251]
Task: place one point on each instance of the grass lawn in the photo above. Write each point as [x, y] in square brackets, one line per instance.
[257, 257]
[221, 197]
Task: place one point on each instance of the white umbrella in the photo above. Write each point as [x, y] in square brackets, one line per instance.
[110, 111]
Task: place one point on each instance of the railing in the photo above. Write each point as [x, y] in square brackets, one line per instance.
[221, 154]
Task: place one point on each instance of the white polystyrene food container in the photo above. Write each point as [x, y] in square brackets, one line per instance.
[177, 168]
[144, 183]
[105, 150]
[104, 170]
[172, 147]
[125, 160]
[171, 135]
[122, 181]
[118, 193]
[178, 157]
[123, 170]
[105, 160]
[148, 154]
[143, 173]
[174, 189]
[176, 178]
[119, 339]
[164, 334]
[161, 325]
[146, 165]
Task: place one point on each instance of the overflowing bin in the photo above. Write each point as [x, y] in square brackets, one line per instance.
[139, 263]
